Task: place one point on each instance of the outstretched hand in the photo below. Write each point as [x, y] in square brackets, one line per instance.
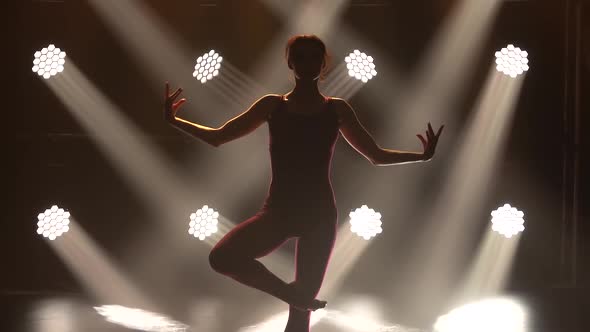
[429, 143]
[171, 107]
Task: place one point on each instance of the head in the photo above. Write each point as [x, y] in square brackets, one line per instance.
[307, 57]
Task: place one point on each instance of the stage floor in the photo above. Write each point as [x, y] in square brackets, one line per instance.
[556, 310]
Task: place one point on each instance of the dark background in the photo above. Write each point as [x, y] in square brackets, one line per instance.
[51, 159]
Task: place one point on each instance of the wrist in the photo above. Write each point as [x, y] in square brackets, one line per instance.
[170, 119]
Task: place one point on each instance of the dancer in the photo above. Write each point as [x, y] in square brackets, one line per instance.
[303, 126]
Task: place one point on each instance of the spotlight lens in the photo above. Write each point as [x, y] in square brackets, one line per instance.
[53, 222]
[207, 66]
[507, 220]
[365, 222]
[203, 222]
[515, 58]
[360, 66]
[48, 61]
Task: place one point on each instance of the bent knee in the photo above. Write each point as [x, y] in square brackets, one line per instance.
[221, 261]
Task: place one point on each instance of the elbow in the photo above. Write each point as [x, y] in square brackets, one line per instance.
[375, 162]
[209, 139]
[216, 138]
[215, 144]
[376, 158]
[209, 136]
[214, 141]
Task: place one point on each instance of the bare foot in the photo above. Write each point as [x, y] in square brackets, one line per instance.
[296, 300]
[313, 306]
[305, 305]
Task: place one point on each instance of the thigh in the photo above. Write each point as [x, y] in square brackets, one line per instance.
[254, 238]
[313, 254]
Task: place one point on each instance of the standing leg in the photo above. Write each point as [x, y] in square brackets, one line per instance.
[313, 254]
[235, 254]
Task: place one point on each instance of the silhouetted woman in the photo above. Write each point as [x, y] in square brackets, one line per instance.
[303, 126]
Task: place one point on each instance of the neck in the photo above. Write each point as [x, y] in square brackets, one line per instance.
[306, 89]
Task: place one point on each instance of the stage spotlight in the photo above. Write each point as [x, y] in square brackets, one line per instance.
[489, 315]
[365, 222]
[49, 61]
[53, 222]
[203, 222]
[507, 220]
[138, 319]
[512, 61]
[207, 66]
[360, 66]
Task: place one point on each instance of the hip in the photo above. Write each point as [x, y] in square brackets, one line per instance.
[300, 216]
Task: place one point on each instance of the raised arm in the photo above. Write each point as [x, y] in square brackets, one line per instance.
[358, 137]
[235, 128]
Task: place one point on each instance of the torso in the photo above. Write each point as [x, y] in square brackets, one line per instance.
[301, 148]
